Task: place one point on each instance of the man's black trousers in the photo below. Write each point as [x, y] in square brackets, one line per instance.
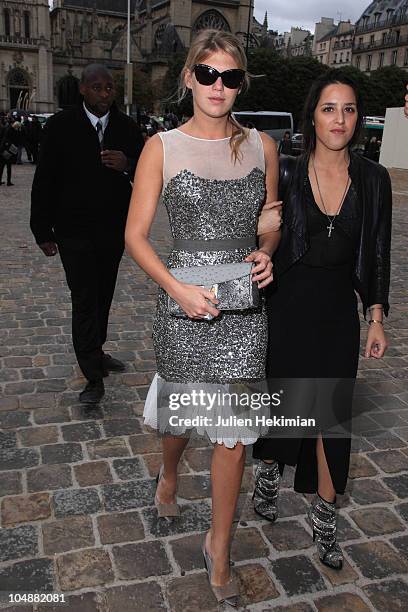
[91, 267]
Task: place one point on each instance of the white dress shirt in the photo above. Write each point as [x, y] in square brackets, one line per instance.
[94, 119]
[104, 121]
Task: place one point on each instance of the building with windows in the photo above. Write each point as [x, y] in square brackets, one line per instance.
[296, 43]
[322, 37]
[26, 70]
[341, 45]
[381, 36]
[333, 43]
[43, 51]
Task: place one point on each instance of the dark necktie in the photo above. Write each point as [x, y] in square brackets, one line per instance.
[99, 131]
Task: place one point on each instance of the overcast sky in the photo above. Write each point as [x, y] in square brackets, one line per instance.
[282, 14]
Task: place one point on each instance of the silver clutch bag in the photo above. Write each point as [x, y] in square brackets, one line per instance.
[231, 284]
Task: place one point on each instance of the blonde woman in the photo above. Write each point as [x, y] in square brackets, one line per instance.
[214, 176]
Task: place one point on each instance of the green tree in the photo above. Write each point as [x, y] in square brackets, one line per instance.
[282, 84]
[387, 89]
[302, 71]
[143, 95]
[364, 86]
[268, 71]
[169, 87]
[279, 84]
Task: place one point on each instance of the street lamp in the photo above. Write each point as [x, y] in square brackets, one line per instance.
[129, 69]
[248, 28]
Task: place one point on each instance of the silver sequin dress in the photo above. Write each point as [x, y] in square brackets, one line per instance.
[209, 197]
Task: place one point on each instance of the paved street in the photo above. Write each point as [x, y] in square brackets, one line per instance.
[77, 485]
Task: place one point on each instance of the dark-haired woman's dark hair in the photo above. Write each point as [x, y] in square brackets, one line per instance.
[331, 77]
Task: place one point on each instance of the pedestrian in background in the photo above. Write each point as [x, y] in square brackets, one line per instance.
[372, 149]
[25, 127]
[18, 140]
[33, 131]
[79, 203]
[9, 140]
[285, 145]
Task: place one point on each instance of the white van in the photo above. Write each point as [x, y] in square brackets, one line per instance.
[272, 123]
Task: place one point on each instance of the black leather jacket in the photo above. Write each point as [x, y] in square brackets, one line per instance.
[371, 276]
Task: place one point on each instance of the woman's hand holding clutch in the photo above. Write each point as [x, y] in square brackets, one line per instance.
[262, 271]
[197, 302]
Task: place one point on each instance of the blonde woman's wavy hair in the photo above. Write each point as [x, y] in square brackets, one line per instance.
[205, 43]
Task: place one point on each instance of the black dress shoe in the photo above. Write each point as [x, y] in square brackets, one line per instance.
[112, 364]
[10, 184]
[93, 392]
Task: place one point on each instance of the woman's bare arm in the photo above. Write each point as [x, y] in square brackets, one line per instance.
[147, 187]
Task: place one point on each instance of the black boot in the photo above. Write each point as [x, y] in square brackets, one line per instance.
[112, 364]
[93, 392]
[323, 520]
[267, 480]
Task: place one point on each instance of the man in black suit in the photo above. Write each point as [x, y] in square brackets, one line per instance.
[79, 203]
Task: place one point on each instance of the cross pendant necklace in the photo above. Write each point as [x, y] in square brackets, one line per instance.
[331, 219]
[330, 228]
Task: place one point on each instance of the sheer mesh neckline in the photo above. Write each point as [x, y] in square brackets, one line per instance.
[209, 159]
[204, 139]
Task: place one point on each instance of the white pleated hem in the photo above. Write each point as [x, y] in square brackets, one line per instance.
[241, 434]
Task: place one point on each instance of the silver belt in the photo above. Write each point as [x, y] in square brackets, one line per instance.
[192, 246]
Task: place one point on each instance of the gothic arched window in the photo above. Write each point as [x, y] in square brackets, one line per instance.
[6, 14]
[213, 20]
[19, 88]
[27, 24]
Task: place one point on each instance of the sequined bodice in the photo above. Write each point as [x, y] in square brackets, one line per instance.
[207, 196]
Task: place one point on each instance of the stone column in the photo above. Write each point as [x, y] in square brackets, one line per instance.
[44, 95]
[180, 16]
[4, 103]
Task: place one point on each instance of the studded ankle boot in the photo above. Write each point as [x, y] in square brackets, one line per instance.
[265, 497]
[323, 520]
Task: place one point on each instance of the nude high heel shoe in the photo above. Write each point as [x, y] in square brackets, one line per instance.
[228, 593]
[165, 510]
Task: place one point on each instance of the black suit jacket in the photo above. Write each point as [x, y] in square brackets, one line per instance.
[73, 193]
[372, 264]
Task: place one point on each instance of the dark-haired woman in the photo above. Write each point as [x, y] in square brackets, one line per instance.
[335, 241]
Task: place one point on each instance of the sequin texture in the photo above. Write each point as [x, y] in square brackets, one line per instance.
[231, 347]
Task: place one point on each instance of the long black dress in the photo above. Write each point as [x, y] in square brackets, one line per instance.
[314, 331]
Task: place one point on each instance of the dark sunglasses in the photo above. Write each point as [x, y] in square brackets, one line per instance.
[207, 75]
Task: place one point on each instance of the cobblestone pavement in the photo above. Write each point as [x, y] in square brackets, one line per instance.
[77, 486]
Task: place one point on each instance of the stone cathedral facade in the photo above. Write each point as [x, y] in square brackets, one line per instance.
[43, 52]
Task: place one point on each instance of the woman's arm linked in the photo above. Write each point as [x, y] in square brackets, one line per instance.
[269, 236]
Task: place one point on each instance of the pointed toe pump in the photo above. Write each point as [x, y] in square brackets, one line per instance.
[228, 593]
[167, 511]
